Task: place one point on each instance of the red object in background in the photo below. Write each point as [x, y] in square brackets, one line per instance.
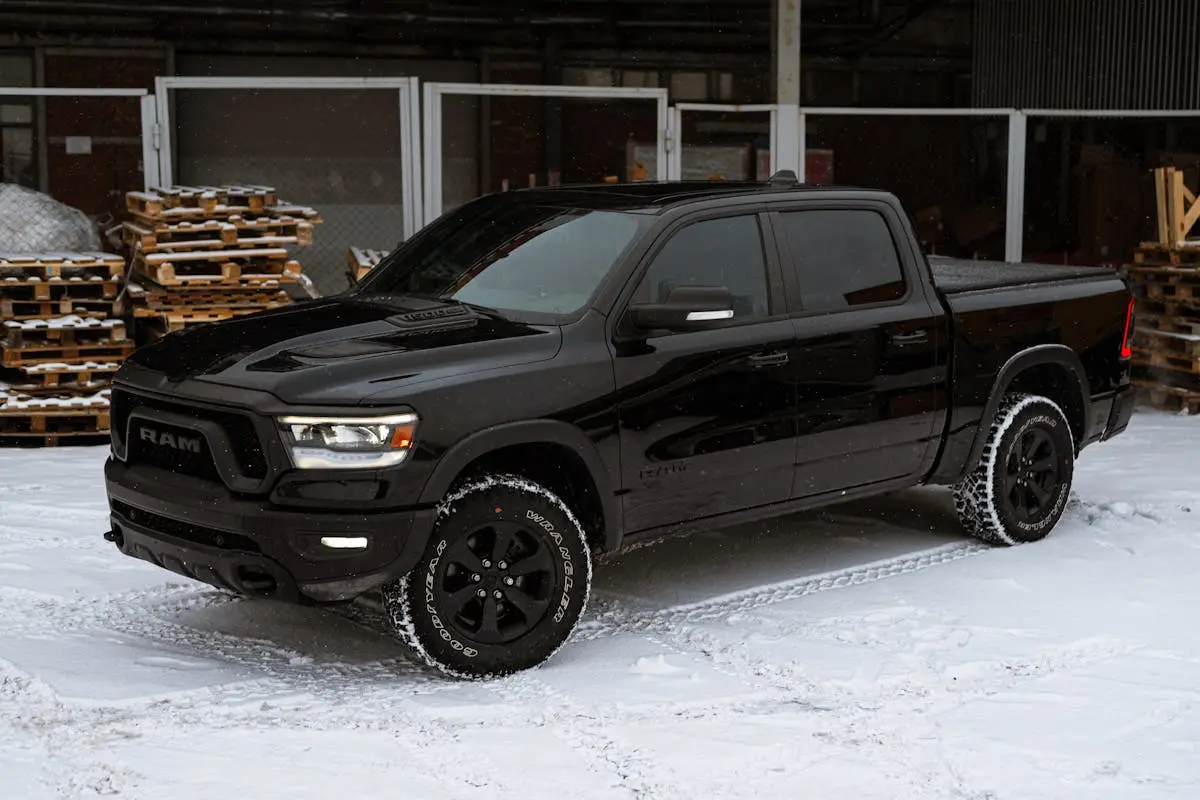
[818, 167]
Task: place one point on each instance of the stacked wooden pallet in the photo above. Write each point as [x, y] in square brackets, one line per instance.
[360, 261]
[1166, 341]
[60, 342]
[1165, 277]
[202, 254]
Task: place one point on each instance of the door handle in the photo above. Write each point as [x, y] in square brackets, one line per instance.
[904, 339]
[763, 360]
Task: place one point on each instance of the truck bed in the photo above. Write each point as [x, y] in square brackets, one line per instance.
[955, 276]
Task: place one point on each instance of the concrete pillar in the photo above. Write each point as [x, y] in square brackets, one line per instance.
[785, 57]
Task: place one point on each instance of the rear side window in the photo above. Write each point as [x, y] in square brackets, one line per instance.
[844, 258]
[724, 252]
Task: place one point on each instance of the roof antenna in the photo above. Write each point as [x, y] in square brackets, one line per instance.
[783, 177]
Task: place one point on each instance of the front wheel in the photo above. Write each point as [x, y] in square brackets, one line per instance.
[1019, 490]
[502, 584]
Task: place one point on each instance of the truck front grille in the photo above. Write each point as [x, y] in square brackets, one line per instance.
[197, 462]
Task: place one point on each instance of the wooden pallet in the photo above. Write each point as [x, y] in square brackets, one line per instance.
[210, 312]
[105, 352]
[215, 235]
[57, 288]
[1178, 285]
[256, 282]
[1185, 325]
[360, 261]
[58, 378]
[22, 310]
[49, 428]
[1169, 398]
[256, 198]
[63, 333]
[229, 265]
[61, 265]
[1166, 309]
[168, 301]
[162, 323]
[278, 225]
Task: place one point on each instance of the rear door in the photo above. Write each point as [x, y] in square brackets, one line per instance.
[868, 358]
[706, 418]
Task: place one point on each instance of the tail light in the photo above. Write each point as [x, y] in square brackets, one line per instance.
[1127, 339]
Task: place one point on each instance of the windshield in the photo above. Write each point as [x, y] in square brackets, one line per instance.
[524, 258]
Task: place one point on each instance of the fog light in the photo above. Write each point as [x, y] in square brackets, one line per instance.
[345, 542]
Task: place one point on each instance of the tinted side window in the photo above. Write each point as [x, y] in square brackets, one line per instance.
[717, 252]
[844, 258]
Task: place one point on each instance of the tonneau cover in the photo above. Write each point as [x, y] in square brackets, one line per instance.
[953, 275]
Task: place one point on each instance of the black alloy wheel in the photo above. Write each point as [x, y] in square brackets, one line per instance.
[1031, 474]
[503, 581]
[495, 584]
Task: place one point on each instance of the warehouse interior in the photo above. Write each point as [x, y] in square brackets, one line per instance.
[1090, 145]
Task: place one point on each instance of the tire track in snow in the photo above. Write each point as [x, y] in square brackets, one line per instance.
[616, 623]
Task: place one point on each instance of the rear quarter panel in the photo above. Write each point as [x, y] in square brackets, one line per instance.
[992, 326]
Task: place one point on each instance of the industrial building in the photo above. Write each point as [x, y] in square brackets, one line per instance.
[1009, 128]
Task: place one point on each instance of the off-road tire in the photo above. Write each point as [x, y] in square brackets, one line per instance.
[425, 607]
[989, 501]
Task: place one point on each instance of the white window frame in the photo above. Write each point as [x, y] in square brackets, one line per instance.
[432, 134]
[675, 161]
[408, 100]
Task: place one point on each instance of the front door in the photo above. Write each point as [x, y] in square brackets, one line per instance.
[707, 417]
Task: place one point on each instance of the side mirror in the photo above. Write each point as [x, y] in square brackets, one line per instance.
[688, 308]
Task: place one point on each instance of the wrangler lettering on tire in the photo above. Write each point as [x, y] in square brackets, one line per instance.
[502, 585]
[1019, 490]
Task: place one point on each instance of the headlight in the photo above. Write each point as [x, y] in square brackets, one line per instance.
[348, 442]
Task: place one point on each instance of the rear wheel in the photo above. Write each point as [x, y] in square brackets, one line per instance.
[1019, 491]
[502, 584]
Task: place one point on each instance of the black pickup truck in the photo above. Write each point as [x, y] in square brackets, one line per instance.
[543, 374]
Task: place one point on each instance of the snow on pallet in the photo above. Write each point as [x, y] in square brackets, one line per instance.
[235, 232]
[104, 352]
[60, 331]
[20, 266]
[57, 288]
[255, 198]
[89, 376]
[47, 419]
[153, 207]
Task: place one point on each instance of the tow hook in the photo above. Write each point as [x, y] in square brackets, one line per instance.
[114, 536]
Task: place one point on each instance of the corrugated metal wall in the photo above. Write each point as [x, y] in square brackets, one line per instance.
[1087, 54]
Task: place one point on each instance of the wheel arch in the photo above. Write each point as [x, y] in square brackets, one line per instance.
[1053, 371]
[548, 451]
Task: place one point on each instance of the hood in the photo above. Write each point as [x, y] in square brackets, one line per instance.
[342, 350]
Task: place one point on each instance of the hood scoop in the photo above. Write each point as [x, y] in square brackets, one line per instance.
[435, 320]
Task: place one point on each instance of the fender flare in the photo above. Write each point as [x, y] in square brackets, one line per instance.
[539, 431]
[1057, 354]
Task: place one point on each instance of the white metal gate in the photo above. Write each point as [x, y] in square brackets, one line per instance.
[675, 157]
[434, 201]
[408, 108]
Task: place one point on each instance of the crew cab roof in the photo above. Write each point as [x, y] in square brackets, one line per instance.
[655, 197]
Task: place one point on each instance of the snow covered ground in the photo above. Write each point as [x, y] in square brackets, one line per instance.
[861, 652]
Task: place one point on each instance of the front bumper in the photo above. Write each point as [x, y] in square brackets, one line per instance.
[202, 530]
